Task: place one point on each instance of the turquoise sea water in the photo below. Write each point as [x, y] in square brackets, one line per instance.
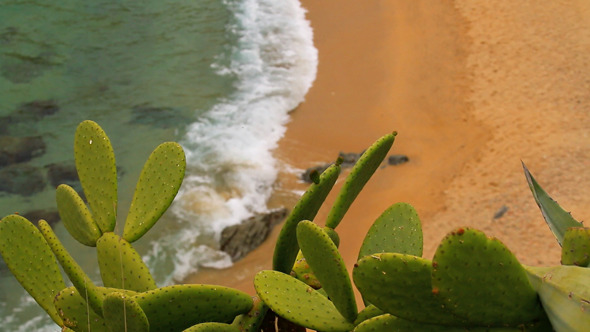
[217, 76]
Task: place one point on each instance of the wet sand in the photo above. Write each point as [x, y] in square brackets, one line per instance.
[472, 89]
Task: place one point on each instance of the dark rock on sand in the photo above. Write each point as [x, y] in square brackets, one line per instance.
[51, 216]
[397, 159]
[24, 180]
[348, 160]
[20, 149]
[238, 240]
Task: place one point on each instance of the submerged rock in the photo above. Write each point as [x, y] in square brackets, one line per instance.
[160, 117]
[20, 149]
[24, 180]
[51, 216]
[239, 240]
[36, 110]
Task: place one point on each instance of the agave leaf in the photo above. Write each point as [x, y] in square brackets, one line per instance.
[557, 218]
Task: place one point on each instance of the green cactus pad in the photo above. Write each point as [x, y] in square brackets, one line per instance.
[576, 247]
[79, 279]
[368, 312]
[76, 217]
[252, 320]
[388, 323]
[158, 184]
[76, 313]
[303, 272]
[380, 323]
[29, 258]
[122, 313]
[401, 285]
[212, 327]
[286, 248]
[328, 266]
[121, 266]
[333, 235]
[397, 230]
[358, 177]
[295, 301]
[565, 295]
[480, 279]
[95, 163]
[557, 218]
[179, 307]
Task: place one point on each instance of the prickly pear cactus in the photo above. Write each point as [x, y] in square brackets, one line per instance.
[328, 266]
[76, 313]
[79, 279]
[575, 248]
[75, 216]
[297, 302]
[481, 280]
[95, 163]
[121, 266]
[401, 285]
[252, 320]
[398, 229]
[381, 323]
[29, 258]
[178, 307]
[286, 247]
[212, 327]
[303, 272]
[122, 313]
[158, 184]
[358, 177]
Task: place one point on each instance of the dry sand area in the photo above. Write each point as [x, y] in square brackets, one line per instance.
[473, 88]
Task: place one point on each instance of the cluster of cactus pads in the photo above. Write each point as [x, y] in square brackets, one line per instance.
[473, 282]
[129, 299]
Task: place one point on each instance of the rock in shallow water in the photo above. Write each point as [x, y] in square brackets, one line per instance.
[239, 240]
[20, 149]
[24, 180]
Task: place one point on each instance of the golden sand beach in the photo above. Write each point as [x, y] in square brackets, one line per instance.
[472, 88]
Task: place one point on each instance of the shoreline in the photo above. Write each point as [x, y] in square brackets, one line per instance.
[470, 94]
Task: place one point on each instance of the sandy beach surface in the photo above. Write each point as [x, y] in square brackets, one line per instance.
[472, 88]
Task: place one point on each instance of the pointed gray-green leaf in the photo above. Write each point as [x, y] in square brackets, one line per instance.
[95, 163]
[328, 266]
[401, 285]
[565, 295]
[556, 217]
[178, 307]
[465, 260]
[79, 279]
[295, 301]
[358, 177]
[121, 266]
[576, 247]
[122, 313]
[397, 230]
[212, 327]
[158, 184]
[76, 217]
[286, 247]
[76, 312]
[30, 259]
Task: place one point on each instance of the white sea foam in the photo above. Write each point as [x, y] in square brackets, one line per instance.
[229, 150]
